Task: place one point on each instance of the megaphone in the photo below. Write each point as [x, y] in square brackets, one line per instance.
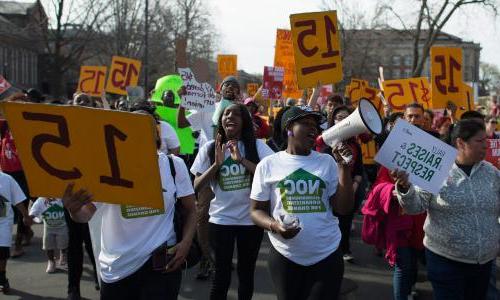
[364, 118]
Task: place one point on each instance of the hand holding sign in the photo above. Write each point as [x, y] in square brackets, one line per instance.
[198, 96]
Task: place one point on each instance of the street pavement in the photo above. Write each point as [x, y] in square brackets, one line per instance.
[371, 274]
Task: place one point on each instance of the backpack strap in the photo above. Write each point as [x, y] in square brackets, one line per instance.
[172, 171]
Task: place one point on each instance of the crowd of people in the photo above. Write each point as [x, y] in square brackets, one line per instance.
[233, 174]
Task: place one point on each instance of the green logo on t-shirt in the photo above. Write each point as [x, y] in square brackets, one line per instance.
[54, 216]
[132, 212]
[233, 176]
[301, 192]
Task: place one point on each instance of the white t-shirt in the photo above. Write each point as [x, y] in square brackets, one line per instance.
[231, 205]
[130, 234]
[11, 194]
[169, 139]
[300, 186]
[52, 212]
[202, 121]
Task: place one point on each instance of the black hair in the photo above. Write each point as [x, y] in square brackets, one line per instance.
[430, 112]
[147, 107]
[394, 116]
[472, 114]
[465, 129]
[247, 135]
[415, 105]
[335, 111]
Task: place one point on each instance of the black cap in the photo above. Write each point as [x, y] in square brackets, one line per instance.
[299, 112]
[230, 79]
[35, 95]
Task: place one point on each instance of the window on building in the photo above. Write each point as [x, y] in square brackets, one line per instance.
[408, 60]
[396, 73]
[396, 60]
[407, 73]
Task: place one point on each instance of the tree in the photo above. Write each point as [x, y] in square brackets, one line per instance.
[427, 21]
[489, 78]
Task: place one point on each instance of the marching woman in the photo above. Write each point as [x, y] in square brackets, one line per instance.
[228, 165]
[461, 229]
[294, 195]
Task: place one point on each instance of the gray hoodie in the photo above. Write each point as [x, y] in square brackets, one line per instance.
[462, 221]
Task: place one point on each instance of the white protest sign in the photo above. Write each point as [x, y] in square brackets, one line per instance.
[425, 158]
[199, 96]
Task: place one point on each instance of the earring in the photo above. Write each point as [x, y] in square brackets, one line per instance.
[290, 133]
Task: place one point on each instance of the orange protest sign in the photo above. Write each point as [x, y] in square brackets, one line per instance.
[401, 92]
[252, 89]
[94, 148]
[469, 96]
[227, 65]
[369, 150]
[346, 91]
[446, 77]
[123, 72]
[356, 90]
[92, 80]
[283, 57]
[316, 45]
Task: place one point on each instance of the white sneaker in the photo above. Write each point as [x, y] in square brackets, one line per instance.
[62, 260]
[348, 257]
[51, 267]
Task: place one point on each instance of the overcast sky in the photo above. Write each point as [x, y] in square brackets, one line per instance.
[248, 28]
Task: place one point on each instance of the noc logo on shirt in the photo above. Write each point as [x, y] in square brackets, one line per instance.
[54, 216]
[233, 176]
[302, 192]
[132, 212]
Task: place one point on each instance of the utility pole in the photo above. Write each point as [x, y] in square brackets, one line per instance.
[146, 37]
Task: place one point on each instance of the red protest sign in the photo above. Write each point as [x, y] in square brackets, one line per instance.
[493, 153]
[272, 86]
[4, 85]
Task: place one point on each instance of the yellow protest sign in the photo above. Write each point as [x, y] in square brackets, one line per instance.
[446, 76]
[227, 65]
[252, 89]
[346, 91]
[469, 96]
[401, 92]
[92, 80]
[110, 153]
[316, 45]
[357, 90]
[123, 72]
[369, 150]
[283, 57]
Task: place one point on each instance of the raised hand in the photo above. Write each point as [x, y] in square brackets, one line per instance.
[220, 149]
[232, 145]
[401, 179]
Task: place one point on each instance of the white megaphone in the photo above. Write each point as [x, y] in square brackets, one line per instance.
[364, 118]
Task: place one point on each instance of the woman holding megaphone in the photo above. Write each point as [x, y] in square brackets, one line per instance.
[294, 193]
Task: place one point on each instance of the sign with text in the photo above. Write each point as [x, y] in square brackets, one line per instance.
[493, 153]
[316, 45]
[446, 76]
[252, 89]
[400, 92]
[283, 57]
[227, 65]
[272, 85]
[199, 96]
[123, 72]
[92, 80]
[369, 150]
[96, 149]
[359, 88]
[469, 96]
[4, 85]
[425, 158]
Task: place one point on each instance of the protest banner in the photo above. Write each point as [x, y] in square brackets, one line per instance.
[469, 96]
[252, 89]
[446, 77]
[272, 83]
[493, 152]
[227, 65]
[96, 149]
[199, 96]
[369, 150]
[316, 45]
[359, 88]
[92, 80]
[123, 72]
[400, 92]
[425, 158]
[4, 85]
[283, 57]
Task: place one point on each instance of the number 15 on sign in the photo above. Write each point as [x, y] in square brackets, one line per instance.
[316, 46]
[124, 72]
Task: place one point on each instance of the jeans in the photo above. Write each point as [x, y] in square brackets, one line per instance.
[144, 284]
[222, 238]
[345, 224]
[321, 281]
[453, 280]
[405, 272]
[492, 285]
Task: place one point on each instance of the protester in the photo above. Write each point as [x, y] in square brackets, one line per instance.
[443, 125]
[230, 90]
[304, 261]
[345, 221]
[55, 230]
[277, 141]
[290, 102]
[388, 125]
[428, 119]
[10, 195]
[140, 257]
[228, 165]
[461, 231]
[262, 130]
[491, 125]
